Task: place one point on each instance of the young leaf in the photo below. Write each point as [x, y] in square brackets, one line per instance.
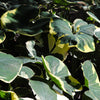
[9, 67]
[93, 16]
[92, 80]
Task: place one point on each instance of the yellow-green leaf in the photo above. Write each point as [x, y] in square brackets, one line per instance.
[8, 95]
[2, 36]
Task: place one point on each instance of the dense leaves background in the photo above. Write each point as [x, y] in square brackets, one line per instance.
[49, 49]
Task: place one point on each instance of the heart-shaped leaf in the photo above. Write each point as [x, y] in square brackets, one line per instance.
[91, 80]
[63, 39]
[84, 35]
[9, 67]
[59, 74]
[85, 43]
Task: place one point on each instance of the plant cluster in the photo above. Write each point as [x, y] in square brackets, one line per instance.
[49, 50]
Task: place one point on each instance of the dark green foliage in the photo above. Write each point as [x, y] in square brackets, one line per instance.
[49, 49]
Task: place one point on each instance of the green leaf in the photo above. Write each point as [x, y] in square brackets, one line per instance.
[77, 23]
[60, 49]
[84, 35]
[92, 78]
[70, 40]
[2, 36]
[63, 39]
[9, 67]
[87, 29]
[81, 26]
[85, 43]
[97, 33]
[42, 90]
[8, 95]
[26, 72]
[58, 72]
[60, 27]
[18, 20]
[93, 16]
